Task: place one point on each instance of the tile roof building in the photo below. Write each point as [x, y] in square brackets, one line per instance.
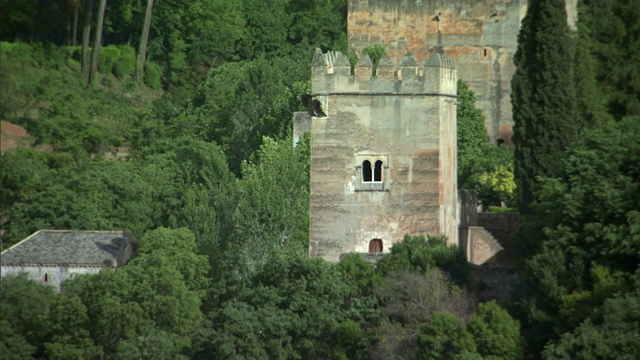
[53, 256]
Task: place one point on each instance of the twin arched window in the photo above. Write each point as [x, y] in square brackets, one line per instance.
[371, 175]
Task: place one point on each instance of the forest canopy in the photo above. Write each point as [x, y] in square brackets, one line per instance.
[172, 119]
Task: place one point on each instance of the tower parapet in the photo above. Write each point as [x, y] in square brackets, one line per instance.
[331, 74]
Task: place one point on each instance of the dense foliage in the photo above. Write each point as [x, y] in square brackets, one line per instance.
[580, 232]
[543, 96]
[197, 162]
[482, 166]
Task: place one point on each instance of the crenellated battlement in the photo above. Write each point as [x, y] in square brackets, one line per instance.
[331, 73]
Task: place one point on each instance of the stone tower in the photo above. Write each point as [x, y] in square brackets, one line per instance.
[383, 152]
[480, 35]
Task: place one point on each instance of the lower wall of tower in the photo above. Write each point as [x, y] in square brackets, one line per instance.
[348, 214]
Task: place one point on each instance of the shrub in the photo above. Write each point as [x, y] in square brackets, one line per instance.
[57, 57]
[108, 56]
[125, 64]
[499, 209]
[74, 52]
[23, 53]
[7, 48]
[153, 75]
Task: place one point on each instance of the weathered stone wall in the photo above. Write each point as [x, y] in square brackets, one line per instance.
[468, 200]
[480, 35]
[407, 122]
[503, 226]
[479, 245]
[302, 124]
[55, 275]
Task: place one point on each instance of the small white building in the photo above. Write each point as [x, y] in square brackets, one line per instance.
[53, 256]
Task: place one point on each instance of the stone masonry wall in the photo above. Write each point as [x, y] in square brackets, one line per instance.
[404, 120]
[480, 35]
[503, 226]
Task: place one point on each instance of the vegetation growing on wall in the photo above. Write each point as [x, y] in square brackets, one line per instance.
[482, 166]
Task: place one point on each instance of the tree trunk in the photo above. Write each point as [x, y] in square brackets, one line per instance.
[95, 57]
[86, 35]
[144, 38]
[74, 32]
[67, 36]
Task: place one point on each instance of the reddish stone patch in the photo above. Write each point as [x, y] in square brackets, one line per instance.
[12, 136]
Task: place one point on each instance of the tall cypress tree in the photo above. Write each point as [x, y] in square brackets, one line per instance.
[591, 103]
[543, 96]
[614, 27]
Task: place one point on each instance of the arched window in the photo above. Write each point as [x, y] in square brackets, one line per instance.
[366, 171]
[375, 246]
[372, 172]
[46, 277]
[377, 171]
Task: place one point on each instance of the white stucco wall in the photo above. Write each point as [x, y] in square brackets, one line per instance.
[55, 274]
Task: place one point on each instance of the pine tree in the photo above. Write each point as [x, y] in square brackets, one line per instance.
[543, 96]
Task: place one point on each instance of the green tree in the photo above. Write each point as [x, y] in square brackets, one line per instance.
[420, 254]
[107, 297]
[237, 105]
[318, 23]
[443, 337]
[267, 31]
[273, 206]
[30, 21]
[192, 187]
[498, 185]
[543, 96]
[24, 311]
[180, 246]
[615, 41]
[476, 155]
[590, 240]
[591, 100]
[496, 333]
[188, 37]
[13, 346]
[93, 195]
[611, 334]
[150, 304]
[69, 323]
[292, 308]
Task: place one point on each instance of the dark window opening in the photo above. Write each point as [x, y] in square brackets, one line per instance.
[366, 171]
[375, 246]
[500, 142]
[485, 52]
[377, 171]
[46, 277]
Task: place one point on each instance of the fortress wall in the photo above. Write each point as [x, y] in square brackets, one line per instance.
[481, 36]
[403, 116]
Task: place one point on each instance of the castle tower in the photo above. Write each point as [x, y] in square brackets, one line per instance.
[383, 153]
[481, 36]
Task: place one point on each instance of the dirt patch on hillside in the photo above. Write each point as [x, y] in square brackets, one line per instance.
[13, 136]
